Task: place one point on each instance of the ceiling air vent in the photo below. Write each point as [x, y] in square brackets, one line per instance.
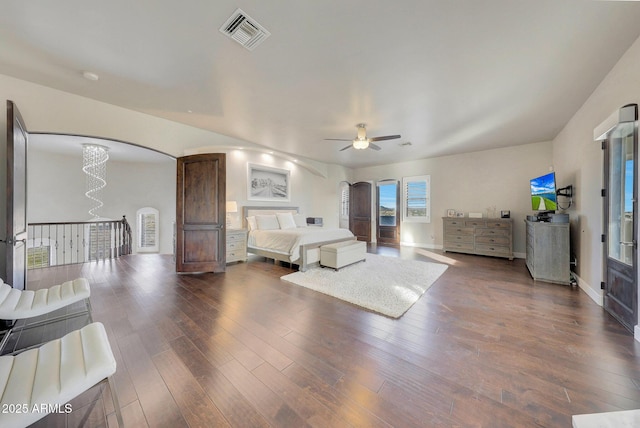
[244, 30]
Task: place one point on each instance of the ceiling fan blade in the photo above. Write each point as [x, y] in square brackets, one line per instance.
[373, 146]
[386, 137]
[348, 147]
[337, 139]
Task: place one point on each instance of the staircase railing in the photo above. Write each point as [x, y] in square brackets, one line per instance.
[64, 243]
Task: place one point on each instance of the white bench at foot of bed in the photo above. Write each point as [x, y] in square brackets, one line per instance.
[341, 254]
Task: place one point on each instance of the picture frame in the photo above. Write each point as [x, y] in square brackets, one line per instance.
[459, 214]
[269, 184]
[451, 213]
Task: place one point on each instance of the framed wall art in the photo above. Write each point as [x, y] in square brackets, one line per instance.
[266, 183]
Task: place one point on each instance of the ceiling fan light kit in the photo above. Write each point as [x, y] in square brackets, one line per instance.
[359, 144]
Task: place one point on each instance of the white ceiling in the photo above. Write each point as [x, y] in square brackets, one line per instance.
[450, 76]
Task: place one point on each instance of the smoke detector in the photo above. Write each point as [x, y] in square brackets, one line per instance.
[244, 30]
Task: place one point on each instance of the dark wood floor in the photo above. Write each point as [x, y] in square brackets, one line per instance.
[485, 346]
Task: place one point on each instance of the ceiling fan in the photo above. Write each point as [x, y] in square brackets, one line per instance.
[361, 141]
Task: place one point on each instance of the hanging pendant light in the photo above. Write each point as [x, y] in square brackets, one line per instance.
[94, 165]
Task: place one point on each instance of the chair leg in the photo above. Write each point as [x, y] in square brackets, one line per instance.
[5, 339]
[116, 403]
[89, 309]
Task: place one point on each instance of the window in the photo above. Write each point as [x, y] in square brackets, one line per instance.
[416, 199]
[38, 257]
[148, 230]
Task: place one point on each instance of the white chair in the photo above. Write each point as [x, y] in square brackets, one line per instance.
[41, 380]
[23, 304]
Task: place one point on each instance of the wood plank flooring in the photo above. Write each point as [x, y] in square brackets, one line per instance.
[486, 346]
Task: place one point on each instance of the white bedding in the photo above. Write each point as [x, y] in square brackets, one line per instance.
[288, 241]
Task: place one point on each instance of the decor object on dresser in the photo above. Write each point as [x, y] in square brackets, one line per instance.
[236, 249]
[265, 183]
[314, 221]
[386, 285]
[487, 237]
[548, 256]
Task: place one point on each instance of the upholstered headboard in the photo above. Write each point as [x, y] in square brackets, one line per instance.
[252, 211]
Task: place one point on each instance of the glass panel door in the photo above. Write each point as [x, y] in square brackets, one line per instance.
[621, 206]
[388, 230]
[387, 208]
[620, 282]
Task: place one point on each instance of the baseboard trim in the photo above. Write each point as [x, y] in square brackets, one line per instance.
[593, 293]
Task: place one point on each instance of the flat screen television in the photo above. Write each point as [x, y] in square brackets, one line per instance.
[543, 193]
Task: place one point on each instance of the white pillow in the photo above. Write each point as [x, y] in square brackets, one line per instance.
[300, 220]
[267, 222]
[251, 223]
[286, 221]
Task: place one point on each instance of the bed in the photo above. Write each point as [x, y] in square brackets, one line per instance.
[296, 243]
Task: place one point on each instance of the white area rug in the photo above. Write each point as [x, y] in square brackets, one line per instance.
[387, 285]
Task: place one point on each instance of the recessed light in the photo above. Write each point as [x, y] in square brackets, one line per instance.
[90, 76]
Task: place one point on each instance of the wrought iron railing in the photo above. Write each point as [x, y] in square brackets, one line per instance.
[64, 243]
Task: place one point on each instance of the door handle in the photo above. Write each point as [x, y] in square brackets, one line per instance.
[628, 244]
[12, 241]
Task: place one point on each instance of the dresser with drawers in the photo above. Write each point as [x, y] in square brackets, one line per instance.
[236, 245]
[482, 236]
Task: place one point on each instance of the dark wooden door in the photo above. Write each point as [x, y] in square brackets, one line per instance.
[16, 228]
[360, 211]
[388, 224]
[200, 216]
[620, 223]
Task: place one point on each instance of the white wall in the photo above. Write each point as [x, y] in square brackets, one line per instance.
[56, 187]
[579, 161]
[471, 182]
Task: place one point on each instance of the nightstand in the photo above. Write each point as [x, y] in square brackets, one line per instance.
[236, 245]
